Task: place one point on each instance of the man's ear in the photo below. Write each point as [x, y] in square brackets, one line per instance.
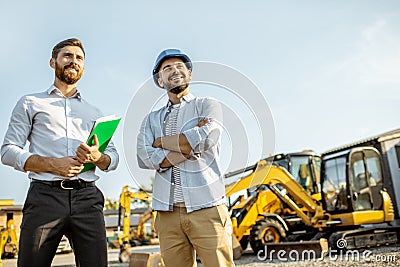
[160, 82]
[52, 63]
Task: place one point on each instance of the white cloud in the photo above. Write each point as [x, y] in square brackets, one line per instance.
[371, 31]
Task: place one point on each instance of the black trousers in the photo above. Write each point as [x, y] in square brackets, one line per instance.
[51, 212]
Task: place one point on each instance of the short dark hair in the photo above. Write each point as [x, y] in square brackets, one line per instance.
[68, 42]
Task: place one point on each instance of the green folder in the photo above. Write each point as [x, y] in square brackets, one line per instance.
[104, 128]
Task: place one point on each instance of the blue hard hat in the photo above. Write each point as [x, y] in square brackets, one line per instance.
[169, 53]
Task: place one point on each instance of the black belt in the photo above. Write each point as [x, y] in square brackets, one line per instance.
[67, 184]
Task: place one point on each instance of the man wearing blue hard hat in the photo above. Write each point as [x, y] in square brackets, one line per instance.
[181, 141]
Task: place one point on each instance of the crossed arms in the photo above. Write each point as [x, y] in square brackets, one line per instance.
[178, 145]
[159, 153]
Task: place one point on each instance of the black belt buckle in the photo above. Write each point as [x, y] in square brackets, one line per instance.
[65, 187]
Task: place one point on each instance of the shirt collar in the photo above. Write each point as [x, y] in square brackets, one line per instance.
[54, 89]
[186, 98]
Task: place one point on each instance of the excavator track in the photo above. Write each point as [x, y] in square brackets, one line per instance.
[365, 238]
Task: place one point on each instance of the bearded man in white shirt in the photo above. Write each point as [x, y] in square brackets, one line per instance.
[61, 200]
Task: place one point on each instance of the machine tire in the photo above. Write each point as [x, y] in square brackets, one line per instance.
[265, 231]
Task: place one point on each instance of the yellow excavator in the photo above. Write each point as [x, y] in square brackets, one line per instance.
[349, 203]
[8, 240]
[251, 201]
[128, 236]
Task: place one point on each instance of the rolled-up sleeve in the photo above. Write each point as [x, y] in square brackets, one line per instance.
[111, 151]
[12, 151]
[201, 138]
[14, 156]
[148, 157]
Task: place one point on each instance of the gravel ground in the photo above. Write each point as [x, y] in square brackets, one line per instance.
[381, 256]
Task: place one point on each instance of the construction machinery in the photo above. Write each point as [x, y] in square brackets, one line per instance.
[8, 240]
[130, 237]
[351, 198]
[251, 201]
[388, 144]
[64, 246]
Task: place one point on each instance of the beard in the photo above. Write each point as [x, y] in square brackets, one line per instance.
[176, 89]
[66, 76]
[179, 89]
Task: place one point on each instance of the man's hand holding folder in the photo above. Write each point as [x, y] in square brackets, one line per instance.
[91, 153]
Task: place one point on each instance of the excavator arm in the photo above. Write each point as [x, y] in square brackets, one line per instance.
[125, 206]
[8, 241]
[147, 215]
[280, 181]
[125, 201]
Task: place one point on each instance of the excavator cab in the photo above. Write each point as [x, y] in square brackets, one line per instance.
[334, 185]
[305, 167]
[352, 181]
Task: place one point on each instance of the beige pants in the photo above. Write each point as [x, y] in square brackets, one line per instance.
[207, 231]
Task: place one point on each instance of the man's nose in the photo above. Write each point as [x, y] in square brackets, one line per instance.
[175, 69]
[74, 59]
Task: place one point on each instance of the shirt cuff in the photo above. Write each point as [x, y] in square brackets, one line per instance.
[157, 157]
[21, 160]
[194, 136]
[114, 160]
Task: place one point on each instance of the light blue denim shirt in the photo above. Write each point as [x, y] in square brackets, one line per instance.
[201, 178]
[54, 126]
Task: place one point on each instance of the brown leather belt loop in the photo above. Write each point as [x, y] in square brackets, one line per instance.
[180, 204]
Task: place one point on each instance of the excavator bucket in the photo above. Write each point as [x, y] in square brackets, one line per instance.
[146, 260]
[237, 248]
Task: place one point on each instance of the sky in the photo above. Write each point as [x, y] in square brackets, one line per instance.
[328, 71]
